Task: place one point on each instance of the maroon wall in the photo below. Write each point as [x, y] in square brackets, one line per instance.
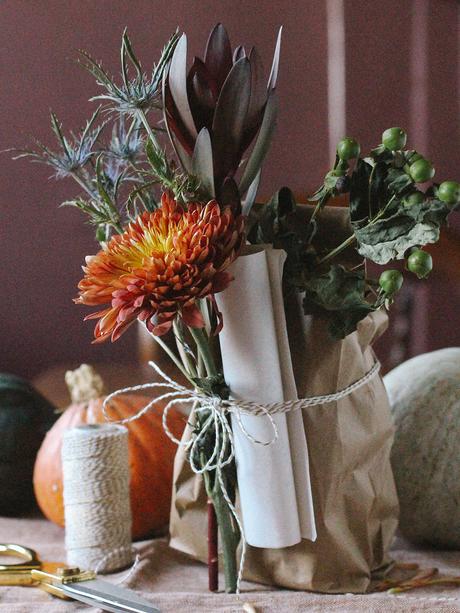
[42, 247]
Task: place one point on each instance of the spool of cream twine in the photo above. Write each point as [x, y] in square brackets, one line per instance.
[96, 497]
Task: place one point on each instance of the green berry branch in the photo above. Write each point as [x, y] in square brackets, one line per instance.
[392, 214]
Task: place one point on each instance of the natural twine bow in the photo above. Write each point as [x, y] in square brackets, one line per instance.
[216, 410]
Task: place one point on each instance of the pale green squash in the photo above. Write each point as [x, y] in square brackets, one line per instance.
[424, 394]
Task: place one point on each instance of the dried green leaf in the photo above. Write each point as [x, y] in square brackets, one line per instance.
[339, 294]
[408, 226]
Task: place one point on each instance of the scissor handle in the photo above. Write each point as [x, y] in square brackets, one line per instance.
[19, 573]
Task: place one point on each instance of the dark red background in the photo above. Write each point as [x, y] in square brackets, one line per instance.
[42, 247]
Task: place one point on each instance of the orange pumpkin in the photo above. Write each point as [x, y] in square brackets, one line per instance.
[151, 452]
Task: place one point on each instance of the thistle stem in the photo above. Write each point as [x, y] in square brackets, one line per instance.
[82, 184]
[130, 129]
[142, 117]
[229, 537]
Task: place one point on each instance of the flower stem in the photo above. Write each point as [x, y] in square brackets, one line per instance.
[351, 239]
[229, 538]
[332, 254]
[213, 554]
[201, 340]
[185, 357]
[143, 119]
[229, 533]
[172, 355]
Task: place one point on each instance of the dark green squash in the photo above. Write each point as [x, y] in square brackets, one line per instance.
[25, 417]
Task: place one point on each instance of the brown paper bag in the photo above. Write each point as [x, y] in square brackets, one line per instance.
[349, 441]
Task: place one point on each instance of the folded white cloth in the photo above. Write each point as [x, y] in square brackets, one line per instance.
[274, 480]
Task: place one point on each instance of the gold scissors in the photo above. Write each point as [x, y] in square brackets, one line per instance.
[68, 582]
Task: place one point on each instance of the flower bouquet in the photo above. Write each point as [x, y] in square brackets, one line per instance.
[266, 309]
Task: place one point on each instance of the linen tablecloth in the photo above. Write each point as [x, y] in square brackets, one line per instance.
[174, 583]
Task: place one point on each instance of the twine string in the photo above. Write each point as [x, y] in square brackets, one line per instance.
[216, 412]
[97, 510]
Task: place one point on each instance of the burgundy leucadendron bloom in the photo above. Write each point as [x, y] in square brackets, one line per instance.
[216, 111]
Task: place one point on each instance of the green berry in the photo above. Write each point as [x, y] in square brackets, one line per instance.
[449, 192]
[394, 139]
[348, 148]
[420, 263]
[414, 198]
[391, 281]
[421, 170]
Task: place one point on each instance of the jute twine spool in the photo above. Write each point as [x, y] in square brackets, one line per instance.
[96, 497]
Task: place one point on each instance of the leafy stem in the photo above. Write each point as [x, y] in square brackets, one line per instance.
[320, 204]
[332, 254]
[351, 239]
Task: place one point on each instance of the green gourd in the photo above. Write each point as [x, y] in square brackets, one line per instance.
[424, 394]
[25, 417]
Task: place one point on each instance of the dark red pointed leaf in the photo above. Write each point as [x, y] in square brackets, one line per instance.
[256, 102]
[262, 143]
[251, 194]
[177, 79]
[276, 61]
[202, 95]
[229, 195]
[229, 120]
[177, 132]
[202, 165]
[238, 53]
[218, 55]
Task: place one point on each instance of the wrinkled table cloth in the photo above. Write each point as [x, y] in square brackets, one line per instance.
[174, 583]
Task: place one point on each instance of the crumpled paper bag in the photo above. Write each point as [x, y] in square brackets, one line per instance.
[349, 442]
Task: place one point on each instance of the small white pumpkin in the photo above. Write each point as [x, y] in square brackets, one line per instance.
[424, 394]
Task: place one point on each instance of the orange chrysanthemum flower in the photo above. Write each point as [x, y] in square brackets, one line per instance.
[160, 267]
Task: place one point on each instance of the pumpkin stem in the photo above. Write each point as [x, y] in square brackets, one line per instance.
[84, 384]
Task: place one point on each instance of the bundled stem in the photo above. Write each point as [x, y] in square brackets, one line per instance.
[216, 480]
[213, 554]
[229, 533]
